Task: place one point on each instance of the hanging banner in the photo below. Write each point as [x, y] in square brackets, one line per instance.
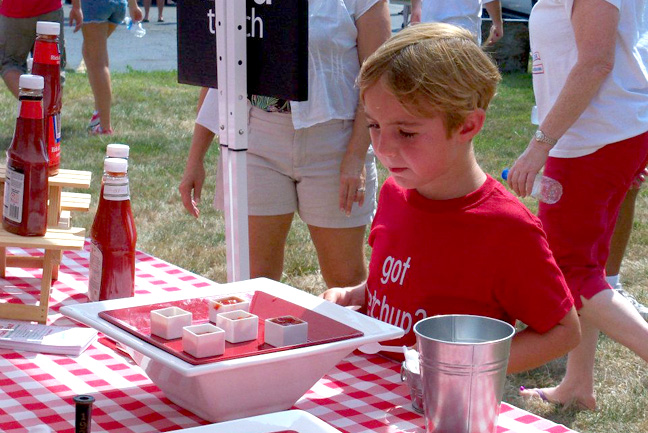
[277, 46]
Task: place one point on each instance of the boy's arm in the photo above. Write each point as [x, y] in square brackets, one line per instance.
[530, 349]
[346, 296]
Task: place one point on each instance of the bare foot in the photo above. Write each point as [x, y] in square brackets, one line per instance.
[557, 396]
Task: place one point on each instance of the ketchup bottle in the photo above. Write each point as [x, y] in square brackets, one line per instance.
[26, 183]
[113, 237]
[47, 63]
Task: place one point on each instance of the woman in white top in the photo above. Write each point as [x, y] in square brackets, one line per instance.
[591, 87]
[311, 157]
[463, 13]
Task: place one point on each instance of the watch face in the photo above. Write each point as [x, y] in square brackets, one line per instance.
[539, 135]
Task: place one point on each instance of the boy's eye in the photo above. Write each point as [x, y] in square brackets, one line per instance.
[406, 134]
[372, 126]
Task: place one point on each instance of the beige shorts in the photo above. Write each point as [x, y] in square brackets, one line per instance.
[299, 170]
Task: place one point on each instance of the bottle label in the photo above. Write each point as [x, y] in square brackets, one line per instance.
[30, 109]
[54, 139]
[95, 271]
[13, 194]
[47, 53]
[116, 189]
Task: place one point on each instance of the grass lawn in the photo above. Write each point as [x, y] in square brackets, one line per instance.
[154, 115]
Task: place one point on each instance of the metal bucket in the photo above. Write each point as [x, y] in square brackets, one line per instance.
[463, 369]
[413, 381]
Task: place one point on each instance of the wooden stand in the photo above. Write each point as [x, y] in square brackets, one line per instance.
[54, 242]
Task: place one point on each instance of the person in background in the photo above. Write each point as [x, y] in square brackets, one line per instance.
[448, 238]
[619, 242]
[312, 157]
[160, 8]
[18, 32]
[463, 13]
[101, 19]
[591, 87]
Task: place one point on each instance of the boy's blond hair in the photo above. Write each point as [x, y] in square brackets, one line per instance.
[433, 69]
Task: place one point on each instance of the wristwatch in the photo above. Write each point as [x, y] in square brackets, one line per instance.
[542, 138]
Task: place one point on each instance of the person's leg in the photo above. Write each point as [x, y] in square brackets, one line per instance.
[11, 78]
[160, 6]
[147, 7]
[577, 387]
[268, 236]
[618, 245]
[340, 254]
[95, 55]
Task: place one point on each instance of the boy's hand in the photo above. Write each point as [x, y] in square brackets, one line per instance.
[337, 295]
[346, 296]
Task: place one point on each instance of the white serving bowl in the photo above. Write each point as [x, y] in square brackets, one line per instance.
[240, 387]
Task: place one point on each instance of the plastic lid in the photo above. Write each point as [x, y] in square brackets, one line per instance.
[48, 28]
[505, 173]
[115, 150]
[115, 165]
[28, 81]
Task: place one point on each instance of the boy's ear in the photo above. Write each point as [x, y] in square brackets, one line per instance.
[472, 125]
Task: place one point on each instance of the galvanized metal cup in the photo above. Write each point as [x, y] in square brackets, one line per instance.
[463, 369]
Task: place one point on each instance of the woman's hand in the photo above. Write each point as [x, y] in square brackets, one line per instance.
[640, 179]
[352, 182]
[191, 185]
[134, 11]
[522, 175]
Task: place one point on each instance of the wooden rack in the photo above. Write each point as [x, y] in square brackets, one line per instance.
[54, 242]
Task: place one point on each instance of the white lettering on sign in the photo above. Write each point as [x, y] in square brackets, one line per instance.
[255, 22]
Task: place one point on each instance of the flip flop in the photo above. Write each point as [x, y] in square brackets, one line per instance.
[540, 393]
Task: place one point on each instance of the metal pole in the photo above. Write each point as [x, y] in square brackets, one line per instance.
[231, 29]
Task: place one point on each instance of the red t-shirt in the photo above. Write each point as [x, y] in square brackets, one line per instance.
[482, 254]
[28, 8]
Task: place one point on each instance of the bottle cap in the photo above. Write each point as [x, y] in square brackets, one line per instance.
[48, 28]
[505, 173]
[115, 150]
[115, 165]
[28, 81]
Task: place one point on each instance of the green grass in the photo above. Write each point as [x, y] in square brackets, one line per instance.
[154, 115]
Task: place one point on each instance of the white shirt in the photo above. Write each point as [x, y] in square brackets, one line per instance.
[620, 108]
[333, 66]
[463, 13]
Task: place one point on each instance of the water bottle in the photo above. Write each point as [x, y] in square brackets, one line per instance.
[545, 189]
[136, 28]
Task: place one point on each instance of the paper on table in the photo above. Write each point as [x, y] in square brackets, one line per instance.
[60, 340]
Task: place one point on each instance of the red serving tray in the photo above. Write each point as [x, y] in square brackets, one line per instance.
[321, 329]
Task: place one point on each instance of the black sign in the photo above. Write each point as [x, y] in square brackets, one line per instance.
[277, 46]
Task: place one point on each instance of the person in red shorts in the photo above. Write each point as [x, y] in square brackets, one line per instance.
[591, 87]
[18, 32]
[448, 238]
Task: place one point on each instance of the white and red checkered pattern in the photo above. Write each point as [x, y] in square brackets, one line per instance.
[361, 394]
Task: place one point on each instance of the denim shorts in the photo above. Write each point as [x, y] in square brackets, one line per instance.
[102, 11]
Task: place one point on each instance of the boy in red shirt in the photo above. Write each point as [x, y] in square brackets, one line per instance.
[448, 238]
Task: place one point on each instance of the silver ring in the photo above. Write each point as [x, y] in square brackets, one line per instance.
[361, 189]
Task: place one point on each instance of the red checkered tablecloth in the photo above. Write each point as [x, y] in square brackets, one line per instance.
[361, 394]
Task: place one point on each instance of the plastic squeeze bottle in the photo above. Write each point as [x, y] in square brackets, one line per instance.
[26, 183]
[113, 237]
[47, 63]
[545, 189]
